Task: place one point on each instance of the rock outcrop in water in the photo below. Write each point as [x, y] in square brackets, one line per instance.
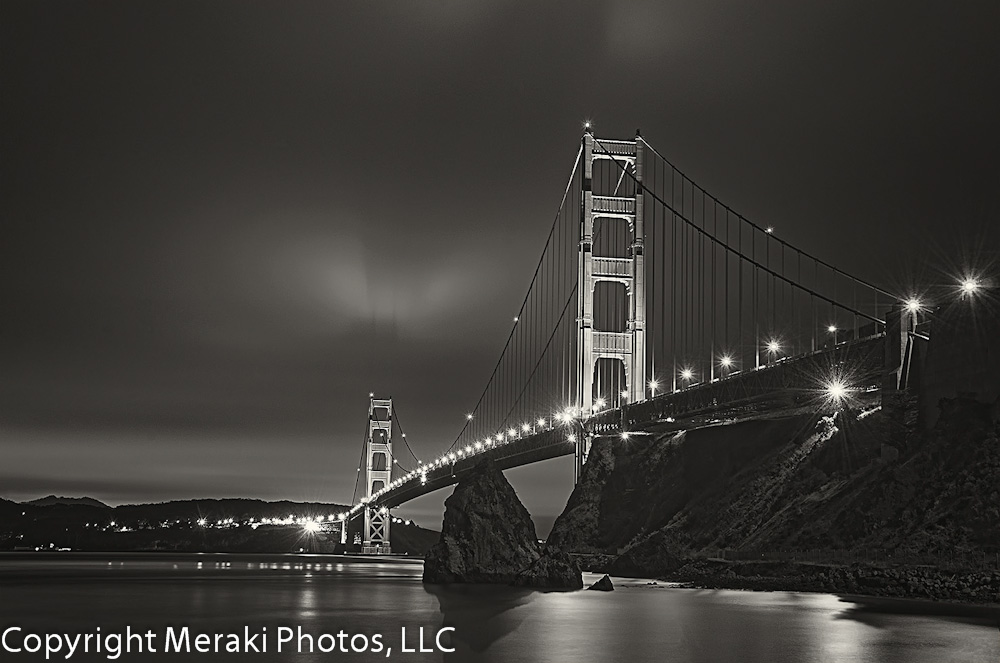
[603, 585]
[489, 537]
[552, 570]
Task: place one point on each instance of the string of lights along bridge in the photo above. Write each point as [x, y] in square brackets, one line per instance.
[653, 304]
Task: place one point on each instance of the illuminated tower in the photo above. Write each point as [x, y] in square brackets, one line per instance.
[628, 346]
[378, 451]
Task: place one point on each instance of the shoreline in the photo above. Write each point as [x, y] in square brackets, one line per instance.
[971, 586]
[978, 587]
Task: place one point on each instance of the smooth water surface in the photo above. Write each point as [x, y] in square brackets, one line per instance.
[221, 594]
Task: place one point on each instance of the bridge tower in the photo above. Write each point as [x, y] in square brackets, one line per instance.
[378, 451]
[627, 346]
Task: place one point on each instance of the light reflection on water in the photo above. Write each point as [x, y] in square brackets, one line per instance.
[637, 622]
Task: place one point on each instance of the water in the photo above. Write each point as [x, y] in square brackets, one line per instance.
[220, 594]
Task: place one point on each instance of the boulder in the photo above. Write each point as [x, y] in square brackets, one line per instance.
[488, 537]
[552, 570]
[603, 585]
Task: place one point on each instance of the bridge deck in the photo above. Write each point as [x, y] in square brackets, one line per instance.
[786, 385]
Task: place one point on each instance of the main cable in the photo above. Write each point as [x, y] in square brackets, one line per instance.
[541, 260]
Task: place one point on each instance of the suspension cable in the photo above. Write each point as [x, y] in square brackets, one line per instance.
[541, 260]
[763, 229]
[740, 254]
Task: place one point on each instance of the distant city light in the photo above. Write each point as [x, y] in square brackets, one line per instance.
[201, 522]
[311, 526]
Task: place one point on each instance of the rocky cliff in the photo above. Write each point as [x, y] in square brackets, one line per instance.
[802, 482]
[489, 537]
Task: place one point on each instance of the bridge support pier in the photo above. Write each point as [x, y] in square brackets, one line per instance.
[583, 443]
[900, 325]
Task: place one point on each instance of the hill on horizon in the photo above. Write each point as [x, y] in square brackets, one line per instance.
[53, 500]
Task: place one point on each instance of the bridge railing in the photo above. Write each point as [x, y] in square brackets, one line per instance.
[799, 381]
[537, 445]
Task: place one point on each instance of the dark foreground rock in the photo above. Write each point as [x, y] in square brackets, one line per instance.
[655, 556]
[552, 570]
[489, 537]
[603, 585]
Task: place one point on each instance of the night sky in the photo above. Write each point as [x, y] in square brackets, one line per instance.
[224, 223]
